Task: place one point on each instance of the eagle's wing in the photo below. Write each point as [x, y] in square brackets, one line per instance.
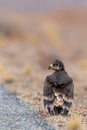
[48, 91]
[61, 82]
[48, 96]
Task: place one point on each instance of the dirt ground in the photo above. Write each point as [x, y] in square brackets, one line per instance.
[25, 57]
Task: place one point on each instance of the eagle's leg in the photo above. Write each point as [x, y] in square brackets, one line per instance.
[67, 107]
[65, 112]
[48, 105]
[50, 111]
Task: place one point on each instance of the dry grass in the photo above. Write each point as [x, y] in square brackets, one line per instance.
[50, 31]
[27, 70]
[5, 75]
[75, 124]
[2, 69]
[32, 38]
[82, 63]
[8, 78]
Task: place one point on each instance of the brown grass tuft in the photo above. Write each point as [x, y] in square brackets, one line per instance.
[75, 124]
[27, 69]
[8, 78]
[2, 70]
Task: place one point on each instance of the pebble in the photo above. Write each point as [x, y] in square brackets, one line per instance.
[18, 115]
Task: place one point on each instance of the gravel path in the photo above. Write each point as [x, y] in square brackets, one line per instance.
[17, 115]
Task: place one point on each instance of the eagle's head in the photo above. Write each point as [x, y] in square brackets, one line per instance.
[56, 65]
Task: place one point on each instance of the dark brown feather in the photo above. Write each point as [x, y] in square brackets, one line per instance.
[58, 90]
[58, 82]
[59, 79]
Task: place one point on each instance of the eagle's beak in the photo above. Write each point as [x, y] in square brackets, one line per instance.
[50, 67]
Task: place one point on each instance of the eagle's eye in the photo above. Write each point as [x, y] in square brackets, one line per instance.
[56, 65]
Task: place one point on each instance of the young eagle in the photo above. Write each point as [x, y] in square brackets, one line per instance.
[58, 90]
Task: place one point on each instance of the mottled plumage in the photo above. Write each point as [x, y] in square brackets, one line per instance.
[58, 90]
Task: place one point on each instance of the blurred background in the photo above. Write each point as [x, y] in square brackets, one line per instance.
[33, 33]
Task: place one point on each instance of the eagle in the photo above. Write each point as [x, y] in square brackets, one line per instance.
[58, 90]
